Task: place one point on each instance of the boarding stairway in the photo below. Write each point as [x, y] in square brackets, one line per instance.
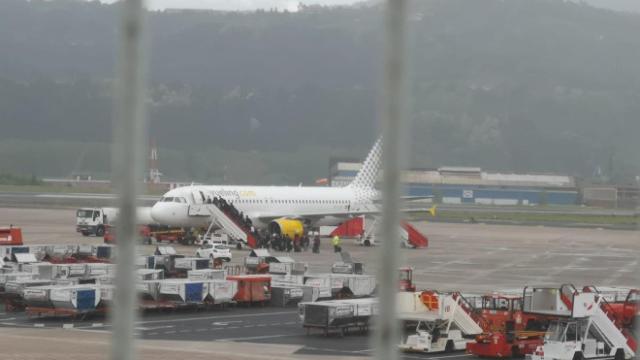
[446, 309]
[569, 302]
[409, 235]
[617, 316]
[456, 309]
[233, 226]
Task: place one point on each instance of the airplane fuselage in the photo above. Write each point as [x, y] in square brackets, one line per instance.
[319, 205]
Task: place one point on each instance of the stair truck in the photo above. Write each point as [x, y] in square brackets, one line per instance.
[507, 330]
[584, 330]
[442, 323]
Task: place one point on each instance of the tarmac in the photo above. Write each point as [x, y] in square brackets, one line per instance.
[473, 258]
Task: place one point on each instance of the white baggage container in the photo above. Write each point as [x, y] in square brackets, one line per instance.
[106, 295]
[39, 251]
[150, 274]
[85, 250]
[296, 268]
[81, 298]
[182, 291]
[16, 287]
[222, 291]
[43, 270]
[7, 277]
[38, 296]
[338, 314]
[64, 271]
[191, 263]
[60, 250]
[362, 285]
[148, 290]
[99, 269]
[206, 274]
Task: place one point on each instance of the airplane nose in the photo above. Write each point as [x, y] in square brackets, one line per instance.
[159, 213]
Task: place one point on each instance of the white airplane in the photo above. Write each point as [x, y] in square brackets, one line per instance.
[281, 209]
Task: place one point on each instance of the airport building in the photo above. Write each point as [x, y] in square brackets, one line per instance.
[456, 185]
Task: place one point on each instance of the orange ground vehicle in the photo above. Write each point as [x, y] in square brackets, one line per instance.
[507, 330]
[148, 234]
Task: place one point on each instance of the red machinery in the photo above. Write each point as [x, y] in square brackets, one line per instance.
[406, 279]
[252, 288]
[350, 228]
[508, 331]
[10, 236]
[147, 233]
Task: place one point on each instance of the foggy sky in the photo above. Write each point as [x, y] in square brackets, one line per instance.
[237, 4]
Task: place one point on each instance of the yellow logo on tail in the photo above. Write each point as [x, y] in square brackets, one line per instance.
[432, 210]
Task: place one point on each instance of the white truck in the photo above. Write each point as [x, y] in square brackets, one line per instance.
[93, 221]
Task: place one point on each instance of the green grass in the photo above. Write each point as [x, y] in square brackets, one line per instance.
[65, 189]
[520, 217]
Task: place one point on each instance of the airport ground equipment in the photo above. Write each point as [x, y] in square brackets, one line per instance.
[507, 330]
[286, 295]
[442, 321]
[260, 261]
[10, 236]
[346, 265]
[206, 274]
[338, 315]
[8, 252]
[341, 286]
[252, 289]
[351, 228]
[233, 226]
[221, 292]
[406, 279]
[150, 274]
[623, 305]
[94, 221]
[409, 236]
[149, 234]
[65, 300]
[586, 328]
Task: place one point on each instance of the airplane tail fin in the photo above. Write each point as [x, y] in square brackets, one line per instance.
[368, 174]
[432, 210]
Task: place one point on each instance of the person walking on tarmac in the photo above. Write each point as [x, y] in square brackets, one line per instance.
[336, 244]
[316, 244]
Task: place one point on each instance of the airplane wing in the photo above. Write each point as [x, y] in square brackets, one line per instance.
[407, 198]
[312, 216]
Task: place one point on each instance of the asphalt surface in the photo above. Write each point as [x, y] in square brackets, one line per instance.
[473, 258]
[255, 326]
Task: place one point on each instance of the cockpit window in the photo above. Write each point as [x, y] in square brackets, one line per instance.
[166, 199]
[180, 200]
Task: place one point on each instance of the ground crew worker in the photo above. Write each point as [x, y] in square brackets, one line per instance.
[336, 244]
[316, 244]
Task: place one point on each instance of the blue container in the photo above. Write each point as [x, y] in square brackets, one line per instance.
[86, 299]
[193, 292]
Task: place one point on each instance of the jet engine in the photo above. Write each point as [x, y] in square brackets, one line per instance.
[284, 226]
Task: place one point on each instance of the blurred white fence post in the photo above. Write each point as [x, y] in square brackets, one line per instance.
[128, 153]
[393, 130]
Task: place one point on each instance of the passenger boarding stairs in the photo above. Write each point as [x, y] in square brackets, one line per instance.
[445, 309]
[569, 302]
[234, 228]
[409, 235]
